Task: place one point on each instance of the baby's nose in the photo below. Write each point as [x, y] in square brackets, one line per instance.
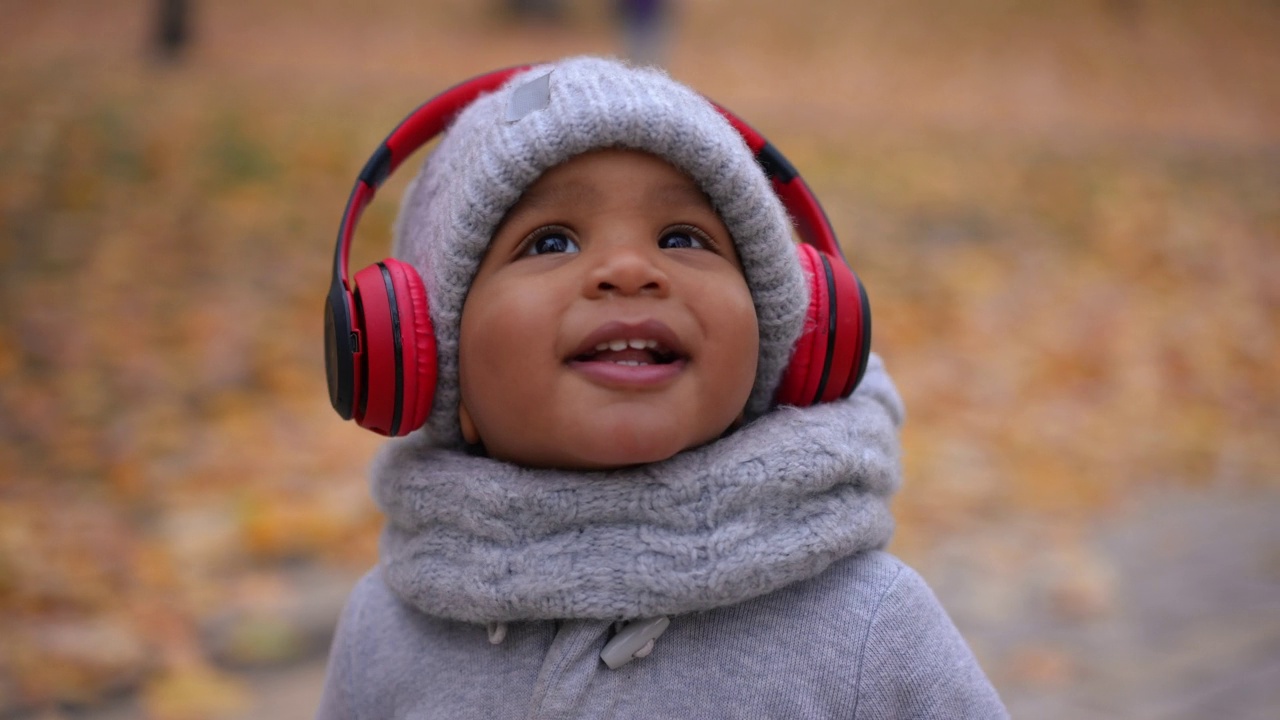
[628, 271]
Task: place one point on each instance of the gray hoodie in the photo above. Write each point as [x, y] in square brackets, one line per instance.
[743, 579]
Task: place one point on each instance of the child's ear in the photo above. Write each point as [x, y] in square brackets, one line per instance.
[469, 432]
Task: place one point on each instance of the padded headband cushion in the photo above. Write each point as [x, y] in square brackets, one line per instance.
[502, 142]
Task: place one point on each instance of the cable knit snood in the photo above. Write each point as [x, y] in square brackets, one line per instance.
[474, 539]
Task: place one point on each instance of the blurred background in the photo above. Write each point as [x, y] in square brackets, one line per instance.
[1067, 215]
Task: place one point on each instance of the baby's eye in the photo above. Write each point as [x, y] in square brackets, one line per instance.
[683, 238]
[551, 242]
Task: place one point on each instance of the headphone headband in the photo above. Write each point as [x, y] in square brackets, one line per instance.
[435, 115]
[419, 128]
[380, 353]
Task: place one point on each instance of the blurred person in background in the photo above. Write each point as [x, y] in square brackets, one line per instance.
[644, 28]
[172, 28]
[541, 11]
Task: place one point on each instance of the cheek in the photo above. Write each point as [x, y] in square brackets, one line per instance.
[504, 338]
[736, 344]
[745, 351]
[488, 335]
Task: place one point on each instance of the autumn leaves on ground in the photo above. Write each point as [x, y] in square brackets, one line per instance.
[1067, 215]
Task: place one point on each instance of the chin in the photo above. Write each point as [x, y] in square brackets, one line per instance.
[605, 447]
[630, 448]
[617, 460]
[587, 456]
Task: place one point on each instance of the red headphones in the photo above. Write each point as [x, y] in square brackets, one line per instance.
[380, 348]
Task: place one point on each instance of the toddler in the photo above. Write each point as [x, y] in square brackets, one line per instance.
[606, 515]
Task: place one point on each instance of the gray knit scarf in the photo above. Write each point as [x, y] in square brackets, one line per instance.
[777, 501]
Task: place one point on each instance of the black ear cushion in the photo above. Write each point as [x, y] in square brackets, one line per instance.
[864, 314]
[850, 331]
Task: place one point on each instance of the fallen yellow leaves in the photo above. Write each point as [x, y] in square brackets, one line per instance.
[197, 693]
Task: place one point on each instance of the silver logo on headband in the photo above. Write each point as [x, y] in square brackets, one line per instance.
[533, 95]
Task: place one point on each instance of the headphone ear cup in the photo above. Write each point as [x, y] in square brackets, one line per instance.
[399, 348]
[850, 341]
[831, 355]
[800, 381]
[419, 345]
[341, 350]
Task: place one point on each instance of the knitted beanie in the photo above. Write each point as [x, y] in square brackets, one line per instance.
[504, 141]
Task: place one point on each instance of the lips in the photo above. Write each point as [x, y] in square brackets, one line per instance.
[630, 356]
[630, 344]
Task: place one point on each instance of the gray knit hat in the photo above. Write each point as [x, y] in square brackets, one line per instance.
[504, 141]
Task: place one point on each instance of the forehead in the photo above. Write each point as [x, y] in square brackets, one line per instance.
[627, 175]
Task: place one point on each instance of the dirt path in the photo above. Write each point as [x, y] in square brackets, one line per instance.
[1169, 609]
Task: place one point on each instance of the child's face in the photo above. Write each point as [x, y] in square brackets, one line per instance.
[609, 324]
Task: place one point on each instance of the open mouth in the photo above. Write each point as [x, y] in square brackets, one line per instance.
[631, 352]
[649, 343]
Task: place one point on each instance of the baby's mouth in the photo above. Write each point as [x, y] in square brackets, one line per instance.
[631, 352]
[648, 347]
